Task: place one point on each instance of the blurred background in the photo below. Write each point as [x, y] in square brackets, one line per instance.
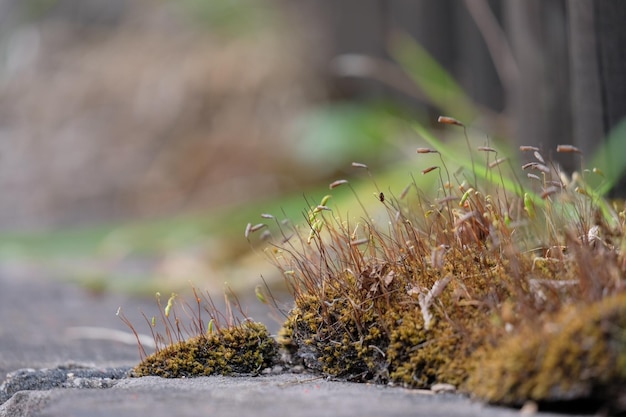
[139, 137]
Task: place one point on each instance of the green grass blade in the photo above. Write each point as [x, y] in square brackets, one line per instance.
[610, 159]
[436, 83]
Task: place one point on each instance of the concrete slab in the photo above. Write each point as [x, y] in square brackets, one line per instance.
[38, 316]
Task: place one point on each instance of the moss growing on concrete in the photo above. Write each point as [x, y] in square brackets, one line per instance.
[579, 353]
[372, 327]
[419, 358]
[340, 336]
[241, 349]
[508, 297]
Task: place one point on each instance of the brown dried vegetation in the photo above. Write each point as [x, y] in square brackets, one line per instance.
[508, 294]
[510, 290]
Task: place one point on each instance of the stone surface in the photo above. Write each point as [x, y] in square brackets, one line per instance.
[63, 376]
[287, 394]
[45, 363]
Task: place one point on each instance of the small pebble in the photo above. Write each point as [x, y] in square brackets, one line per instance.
[529, 408]
[298, 369]
[443, 388]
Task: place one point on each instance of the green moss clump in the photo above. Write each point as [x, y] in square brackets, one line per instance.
[363, 329]
[419, 358]
[579, 354]
[242, 349]
[510, 292]
[335, 339]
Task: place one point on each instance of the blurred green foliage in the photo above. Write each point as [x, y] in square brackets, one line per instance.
[231, 17]
[330, 136]
[610, 160]
[437, 84]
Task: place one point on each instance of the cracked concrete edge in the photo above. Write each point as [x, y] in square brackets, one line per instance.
[62, 376]
[24, 403]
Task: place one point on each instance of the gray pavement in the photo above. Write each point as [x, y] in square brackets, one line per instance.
[279, 395]
[47, 323]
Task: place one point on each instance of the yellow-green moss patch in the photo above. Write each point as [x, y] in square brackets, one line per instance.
[240, 349]
[371, 327]
[335, 337]
[579, 353]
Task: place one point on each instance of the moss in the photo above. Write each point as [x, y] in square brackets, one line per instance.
[500, 329]
[364, 330]
[420, 358]
[578, 353]
[406, 345]
[332, 341]
[243, 349]
[342, 330]
[505, 298]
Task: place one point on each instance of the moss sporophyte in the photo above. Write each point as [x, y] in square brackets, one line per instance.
[510, 290]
